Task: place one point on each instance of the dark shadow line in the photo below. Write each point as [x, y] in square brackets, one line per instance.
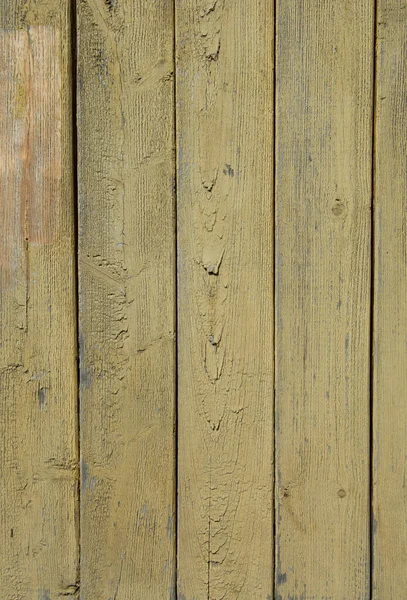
[176, 361]
[74, 142]
[372, 309]
[274, 516]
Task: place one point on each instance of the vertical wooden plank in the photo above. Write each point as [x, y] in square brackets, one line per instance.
[38, 384]
[225, 292]
[390, 308]
[127, 303]
[324, 80]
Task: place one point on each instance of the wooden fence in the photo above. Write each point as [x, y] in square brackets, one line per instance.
[203, 308]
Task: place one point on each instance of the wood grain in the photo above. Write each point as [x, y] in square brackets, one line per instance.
[239, 308]
[127, 298]
[225, 298]
[38, 383]
[390, 313]
[324, 91]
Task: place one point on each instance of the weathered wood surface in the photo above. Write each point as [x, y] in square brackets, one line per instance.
[340, 529]
[38, 383]
[390, 309]
[224, 111]
[127, 298]
[324, 91]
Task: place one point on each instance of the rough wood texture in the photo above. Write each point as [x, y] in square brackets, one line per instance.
[127, 303]
[324, 80]
[38, 384]
[230, 328]
[225, 299]
[390, 312]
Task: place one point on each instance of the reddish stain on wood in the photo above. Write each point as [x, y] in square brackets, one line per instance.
[30, 143]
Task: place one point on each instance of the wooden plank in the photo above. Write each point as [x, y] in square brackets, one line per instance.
[225, 291]
[324, 90]
[390, 313]
[127, 298]
[38, 383]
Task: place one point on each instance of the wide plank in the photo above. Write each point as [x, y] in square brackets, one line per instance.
[224, 53]
[127, 298]
[324, 91]
[39, 555]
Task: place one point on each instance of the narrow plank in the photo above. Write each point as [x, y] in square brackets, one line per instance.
[127, 301]
[324, 91]
[390, 312]
[38, 383]
[225, 290]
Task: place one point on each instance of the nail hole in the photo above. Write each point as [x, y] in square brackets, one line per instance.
[338, 208]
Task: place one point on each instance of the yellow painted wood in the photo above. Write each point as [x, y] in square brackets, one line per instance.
[225, 298]
[226, 278]
[127, 298]
[390, 312]
[38, 383]
[324, 81]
